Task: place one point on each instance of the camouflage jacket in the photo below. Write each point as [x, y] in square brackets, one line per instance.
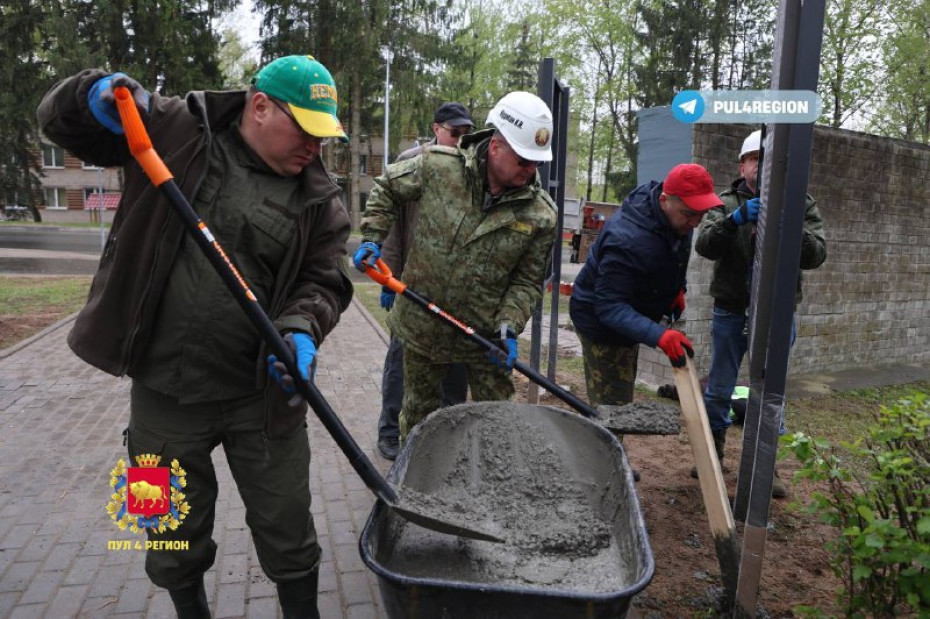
[396, 246]
[483, 259]
[730, 247]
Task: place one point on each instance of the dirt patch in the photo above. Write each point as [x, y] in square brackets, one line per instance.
[15, 328]
[687, 581]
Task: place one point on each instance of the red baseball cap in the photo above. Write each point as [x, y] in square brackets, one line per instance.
[693, 185]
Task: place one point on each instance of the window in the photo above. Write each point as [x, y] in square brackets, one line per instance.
[56, 197]
[52, 156]
[363, 164]
[89, 166]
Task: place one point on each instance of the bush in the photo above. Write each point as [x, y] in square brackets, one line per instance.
[882, 553]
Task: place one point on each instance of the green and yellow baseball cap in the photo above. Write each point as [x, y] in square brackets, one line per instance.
[309, 91]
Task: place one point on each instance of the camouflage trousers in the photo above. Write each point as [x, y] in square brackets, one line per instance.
[423, 386]
[609, 372]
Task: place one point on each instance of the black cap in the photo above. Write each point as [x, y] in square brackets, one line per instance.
[453, 114]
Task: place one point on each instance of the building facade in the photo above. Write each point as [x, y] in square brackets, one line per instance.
[71, 184]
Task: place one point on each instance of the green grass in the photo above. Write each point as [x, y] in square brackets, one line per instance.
[843, 417]
[28, 295]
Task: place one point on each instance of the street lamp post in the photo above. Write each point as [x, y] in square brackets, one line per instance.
[100, 209]
[387, 101]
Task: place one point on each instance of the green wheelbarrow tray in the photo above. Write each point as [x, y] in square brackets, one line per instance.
[555, 486]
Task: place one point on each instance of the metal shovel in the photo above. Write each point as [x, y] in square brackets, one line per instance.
[141, 148]
[664, 422]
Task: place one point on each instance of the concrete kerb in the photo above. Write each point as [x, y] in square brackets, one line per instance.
[372, 321]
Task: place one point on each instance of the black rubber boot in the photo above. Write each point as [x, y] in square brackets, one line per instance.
[298, 597]
[720, 441]
[191, 602]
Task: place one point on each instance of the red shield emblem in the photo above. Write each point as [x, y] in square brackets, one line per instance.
[148, 491]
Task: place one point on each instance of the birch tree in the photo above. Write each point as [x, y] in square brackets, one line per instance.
[905, 110]
[850, 67]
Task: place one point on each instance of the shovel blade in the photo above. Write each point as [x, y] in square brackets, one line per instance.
[443, 523]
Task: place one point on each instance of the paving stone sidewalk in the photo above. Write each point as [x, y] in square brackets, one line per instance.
[61, 436]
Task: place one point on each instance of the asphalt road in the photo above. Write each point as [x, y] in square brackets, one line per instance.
[80, 240]
[26, 250]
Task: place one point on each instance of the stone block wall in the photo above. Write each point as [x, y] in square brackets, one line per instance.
[869, 304]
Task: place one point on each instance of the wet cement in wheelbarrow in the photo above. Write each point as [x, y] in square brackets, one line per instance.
[509, 479]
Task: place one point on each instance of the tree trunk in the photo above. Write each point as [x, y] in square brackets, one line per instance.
[610, 156]
[591, 145]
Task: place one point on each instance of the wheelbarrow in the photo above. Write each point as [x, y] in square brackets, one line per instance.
[560, 490]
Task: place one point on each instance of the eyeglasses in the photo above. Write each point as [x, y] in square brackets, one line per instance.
[303, 132]
[523, 163]
[456, 132]
[526, 163]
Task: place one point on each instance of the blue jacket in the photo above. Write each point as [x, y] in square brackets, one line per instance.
[632, 274]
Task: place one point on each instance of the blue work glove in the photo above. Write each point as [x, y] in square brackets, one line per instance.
[102, 102]
[506, 358]
[304, 350]
[366, 253]
[747, 212]
[387, 298]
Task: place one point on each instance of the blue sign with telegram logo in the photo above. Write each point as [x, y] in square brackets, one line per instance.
[688, 106]
[747, 106]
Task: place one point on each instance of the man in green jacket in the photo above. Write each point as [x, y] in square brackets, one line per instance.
[725, 236]
[484, 233]
[249, 164]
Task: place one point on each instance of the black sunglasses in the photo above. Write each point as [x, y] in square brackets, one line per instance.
[287, 112]
[456, 132]
[523, 163]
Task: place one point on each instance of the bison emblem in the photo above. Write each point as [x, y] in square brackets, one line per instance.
[143, 491]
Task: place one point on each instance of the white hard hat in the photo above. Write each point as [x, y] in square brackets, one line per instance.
[526, 123]
[751, 144]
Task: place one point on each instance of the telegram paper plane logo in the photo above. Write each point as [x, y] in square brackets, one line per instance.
[688, 106]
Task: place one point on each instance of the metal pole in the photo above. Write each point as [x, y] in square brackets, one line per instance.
[100, 209]
[552, 178]
[387, 103]
[775, 274]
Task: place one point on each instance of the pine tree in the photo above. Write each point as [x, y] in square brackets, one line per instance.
[21, 86]
[415, 31]
[674, 34]
[524, 62]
